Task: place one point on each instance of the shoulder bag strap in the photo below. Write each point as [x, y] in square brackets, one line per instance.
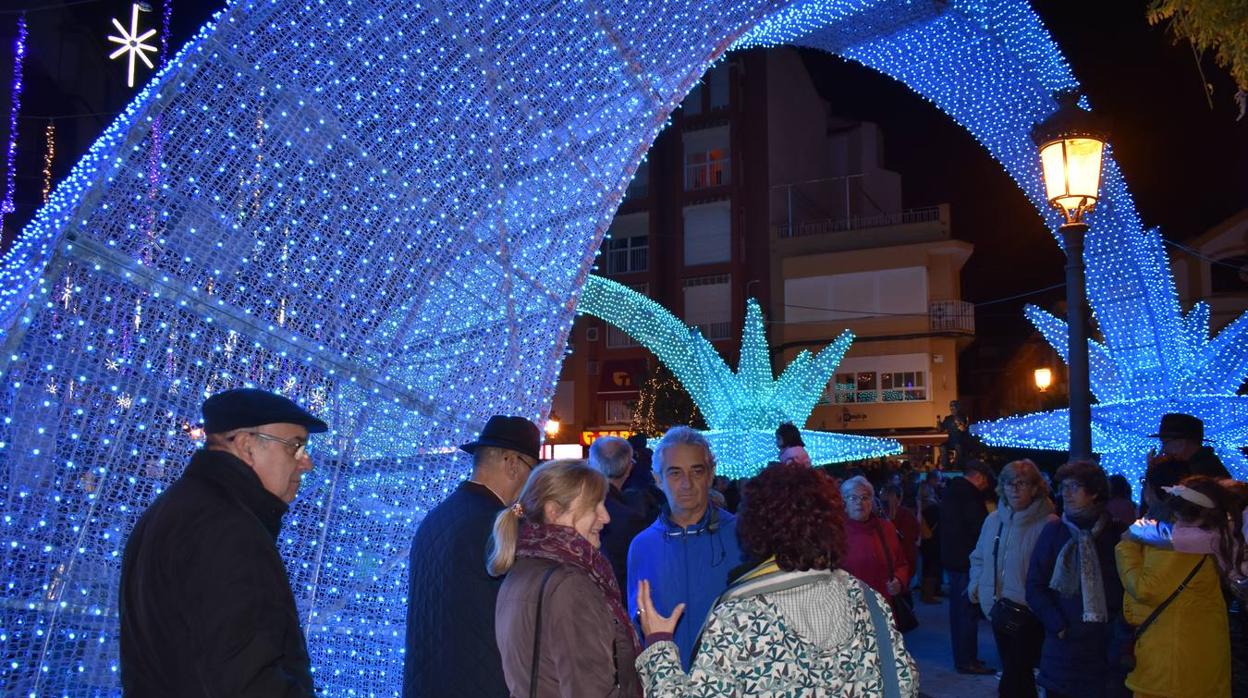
[884, 643]
[537, 633]
[996, 569]
[1157, 611]
[888, 556]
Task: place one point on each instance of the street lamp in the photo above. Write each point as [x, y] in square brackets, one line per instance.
[1071, 143]
[1044, 378]
[552, 426]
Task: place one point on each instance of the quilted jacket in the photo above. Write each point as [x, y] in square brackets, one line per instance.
[450, 607]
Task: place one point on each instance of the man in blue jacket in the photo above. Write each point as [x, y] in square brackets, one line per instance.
[688, 553]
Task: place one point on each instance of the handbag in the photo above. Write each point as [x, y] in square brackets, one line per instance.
[1126, 657]
[1007, 617]
[903, 609]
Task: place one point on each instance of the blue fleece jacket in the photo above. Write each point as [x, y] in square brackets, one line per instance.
[689, 565]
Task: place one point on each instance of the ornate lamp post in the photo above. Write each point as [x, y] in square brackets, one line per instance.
[1071, 143]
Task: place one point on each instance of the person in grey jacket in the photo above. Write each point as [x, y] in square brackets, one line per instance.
[998, 575]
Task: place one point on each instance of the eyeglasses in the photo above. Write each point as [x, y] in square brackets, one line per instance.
[1019, 485]
[857, 498]
[300, 447]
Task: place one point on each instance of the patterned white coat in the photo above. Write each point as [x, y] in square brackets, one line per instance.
[812, 641]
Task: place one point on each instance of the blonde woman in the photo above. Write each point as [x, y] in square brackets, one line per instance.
[560, 625]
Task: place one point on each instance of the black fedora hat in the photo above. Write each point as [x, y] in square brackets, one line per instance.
[513, 433]
[1176, 425]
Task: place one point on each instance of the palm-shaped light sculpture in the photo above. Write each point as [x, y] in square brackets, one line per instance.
[742, 408]
[1134, 384]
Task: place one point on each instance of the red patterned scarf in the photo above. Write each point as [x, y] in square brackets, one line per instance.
[564, 545]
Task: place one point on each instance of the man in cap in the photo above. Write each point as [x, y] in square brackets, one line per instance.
[451, 649]
[206, 606]
[1183, 438]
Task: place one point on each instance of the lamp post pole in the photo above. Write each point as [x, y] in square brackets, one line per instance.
[1077, 343]
[1072, 143]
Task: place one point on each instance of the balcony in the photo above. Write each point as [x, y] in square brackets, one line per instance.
[951, 317]
[711, 173]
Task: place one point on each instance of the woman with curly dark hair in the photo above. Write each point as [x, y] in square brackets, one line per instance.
[794, 625]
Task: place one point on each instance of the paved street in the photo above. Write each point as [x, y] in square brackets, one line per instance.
[929, 643]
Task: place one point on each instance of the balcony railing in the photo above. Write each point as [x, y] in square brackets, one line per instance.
[951, 316]
[712, 173]
[628, 260]
[826, 226]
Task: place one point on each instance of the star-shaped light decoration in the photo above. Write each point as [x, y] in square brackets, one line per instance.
[132, 43]
[1154, 359]
[743, 408]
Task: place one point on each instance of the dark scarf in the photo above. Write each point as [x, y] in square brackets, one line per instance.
[562, 544]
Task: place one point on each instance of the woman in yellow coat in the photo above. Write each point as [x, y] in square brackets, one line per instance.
[1186, 652]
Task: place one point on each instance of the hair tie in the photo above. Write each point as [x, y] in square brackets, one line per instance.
[1198, 498]
[518, 510]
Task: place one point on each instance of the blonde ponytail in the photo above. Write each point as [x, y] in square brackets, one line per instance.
[557, 482]
[502, 553]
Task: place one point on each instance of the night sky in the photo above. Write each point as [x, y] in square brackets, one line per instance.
[1187, 165]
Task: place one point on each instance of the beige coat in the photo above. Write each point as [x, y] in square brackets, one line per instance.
[585, 652]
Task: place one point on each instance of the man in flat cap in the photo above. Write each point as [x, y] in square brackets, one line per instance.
[206, 606]
[451, 649]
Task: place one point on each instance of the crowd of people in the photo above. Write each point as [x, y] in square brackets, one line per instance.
[636, 573]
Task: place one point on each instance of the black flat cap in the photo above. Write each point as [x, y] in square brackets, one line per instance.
[249, 407]
[513, 433]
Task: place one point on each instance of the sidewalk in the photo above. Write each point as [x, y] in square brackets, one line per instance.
[929, 645]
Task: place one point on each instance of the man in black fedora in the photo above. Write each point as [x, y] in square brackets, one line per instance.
[451, 649]
[205, 602]
[1183, 438]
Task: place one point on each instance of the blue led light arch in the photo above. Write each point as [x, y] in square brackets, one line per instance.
[386, 211]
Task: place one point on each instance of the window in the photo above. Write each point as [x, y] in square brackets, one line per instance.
[619, 339]
[717, 86]
[902, 386]
[618, 411]
[711, 92]
[692, 106]
[707, 158]
[708, 233]
[628, 248]
[639, 187]
[856, 387]
[833, 297]
[708, 305]
[891, 378]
